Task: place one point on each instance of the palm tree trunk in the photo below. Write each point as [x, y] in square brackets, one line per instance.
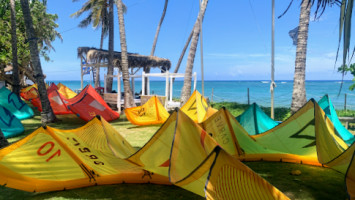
[183, 52]
[102, 35]
[299, 87]
[47, 114]
[158, 28]
[147, 70]
[15, 71]
[110, 48]
[97, 77]
[186, 89]
[128, 98]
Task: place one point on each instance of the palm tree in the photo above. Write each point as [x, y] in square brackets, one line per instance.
[186, 90]
[110, 47]
[147, 70]
[346, 13]
[98, 16]
[128, 97]
[15, 71]
[47, 114]
[299, 87]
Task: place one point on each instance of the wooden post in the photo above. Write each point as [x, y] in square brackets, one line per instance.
[272, 58]
[201, 52]
[248, 97]
[195, 81]
[166, 87]
[118, 90]
[171, 88]
[143, 82]
[345, 102]
[81, 72]
[132, 82]
[105, 83]
[212, 96]
[148, 85]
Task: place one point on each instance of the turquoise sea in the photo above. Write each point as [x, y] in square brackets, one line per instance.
[236, 91]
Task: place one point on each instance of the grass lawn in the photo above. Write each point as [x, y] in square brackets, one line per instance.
[313, 183]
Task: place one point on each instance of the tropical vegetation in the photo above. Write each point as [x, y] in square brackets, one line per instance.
[45, 28]
[47, 115]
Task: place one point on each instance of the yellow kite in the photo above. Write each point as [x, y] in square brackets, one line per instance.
[65, 91]
[197, 108]
[152, 112]
[51, 159]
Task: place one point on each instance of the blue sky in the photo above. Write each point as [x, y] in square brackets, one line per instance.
[236, 38]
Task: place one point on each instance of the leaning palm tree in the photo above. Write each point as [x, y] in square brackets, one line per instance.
[186, 90]
[128, 97]
[47, 114]
[147, 70]
[299, 87]
[15, 71]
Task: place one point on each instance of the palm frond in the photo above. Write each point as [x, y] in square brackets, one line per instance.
[86, 22]
[341, 24]
[86, 7]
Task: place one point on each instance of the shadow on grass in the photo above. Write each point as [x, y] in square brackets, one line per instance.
[119, 191]
[313, 183]
[146, 126]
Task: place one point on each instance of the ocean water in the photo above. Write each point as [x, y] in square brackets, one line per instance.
[259, 91]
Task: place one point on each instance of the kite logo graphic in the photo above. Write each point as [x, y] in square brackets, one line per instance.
[141, 112]
[194, 105]
[16, 101]
[308, 137]
[7, 117]
[97, 105]
[57, 100]
[47, 150]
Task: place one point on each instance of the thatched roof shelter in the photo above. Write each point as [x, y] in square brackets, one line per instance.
[99, 57]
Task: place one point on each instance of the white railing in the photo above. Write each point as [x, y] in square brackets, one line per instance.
[168, 87]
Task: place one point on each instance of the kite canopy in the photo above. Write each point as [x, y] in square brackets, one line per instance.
[51, 159]
[31, 92]
[255, 121]
[152, 112]
[65, 91]
[306, 137]
[197, 108]
[184, 152]
[57, 102]
[88, 103]
[14, 104]
[350, 178]
[27, 95]
[329, 110]
[85, 105]
[9, 124]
